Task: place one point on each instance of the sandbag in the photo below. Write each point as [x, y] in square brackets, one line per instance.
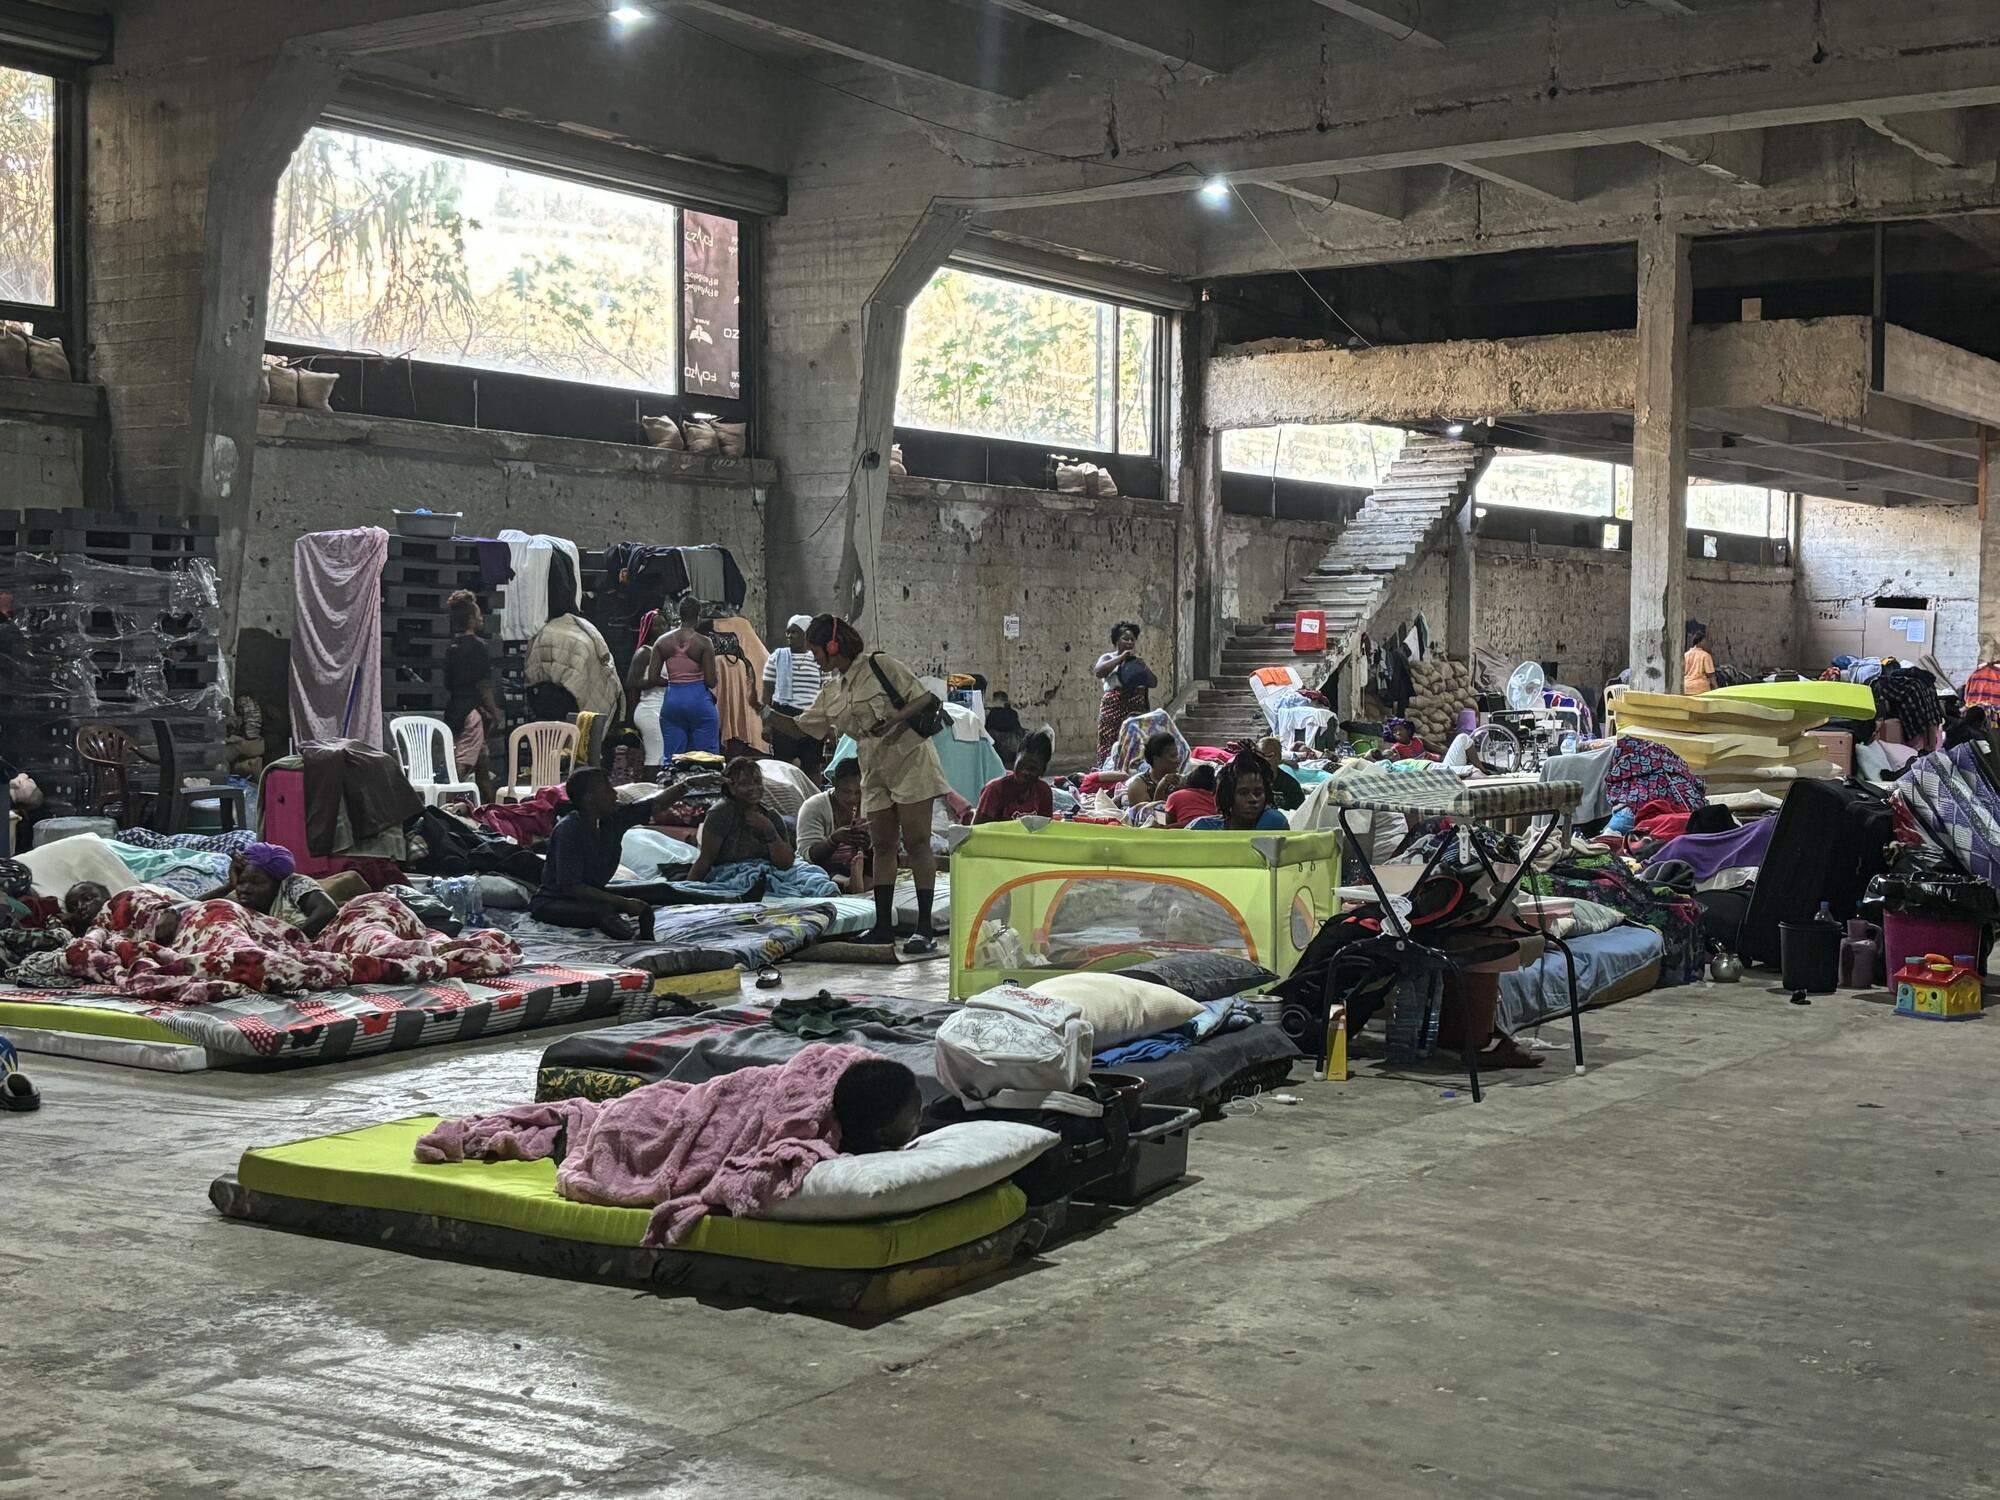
[316, 388]
[13, 353]
[284, 385]
[662, 432]
[46, 359]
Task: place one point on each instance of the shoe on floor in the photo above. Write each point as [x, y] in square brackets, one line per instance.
[17, 1094]
[922, 945]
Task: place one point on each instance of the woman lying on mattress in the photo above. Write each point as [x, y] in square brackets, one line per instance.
[153, 944]
[743, 840]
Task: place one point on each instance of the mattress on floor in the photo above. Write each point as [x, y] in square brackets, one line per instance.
[1610, 966]
[365, 1186]
[604, 1064]
[374, 1167]
[322, 1026]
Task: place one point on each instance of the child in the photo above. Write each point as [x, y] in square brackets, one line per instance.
[877, 1106]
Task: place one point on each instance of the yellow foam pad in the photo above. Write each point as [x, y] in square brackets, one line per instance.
[86, 1021]
[1832, 700]
[1726, 750]
[374, 1167]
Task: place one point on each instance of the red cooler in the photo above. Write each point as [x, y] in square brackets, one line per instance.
[1309, 632]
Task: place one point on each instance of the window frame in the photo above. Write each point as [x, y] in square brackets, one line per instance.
[460, 395]
[979, 458]
[65, 316]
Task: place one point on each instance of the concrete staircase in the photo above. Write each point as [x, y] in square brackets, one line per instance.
[1418, 500]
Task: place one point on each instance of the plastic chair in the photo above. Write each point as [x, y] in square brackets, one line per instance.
[424, 745]
[107, 757]
[551, 747]
[176, 801]
[1612, 694]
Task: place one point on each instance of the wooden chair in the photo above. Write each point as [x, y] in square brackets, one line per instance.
[551, 749]
[112, 764]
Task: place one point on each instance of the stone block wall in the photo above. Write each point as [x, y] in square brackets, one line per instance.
[1850, 555]
[41, 465]
[318, 472]
[958, 559]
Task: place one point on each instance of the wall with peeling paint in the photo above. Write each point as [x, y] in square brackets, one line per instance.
[1850, 555]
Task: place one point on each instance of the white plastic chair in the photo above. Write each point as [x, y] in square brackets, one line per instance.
[551, 745]
[423, 744]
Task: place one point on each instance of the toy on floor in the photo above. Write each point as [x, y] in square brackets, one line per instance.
[1936, 988]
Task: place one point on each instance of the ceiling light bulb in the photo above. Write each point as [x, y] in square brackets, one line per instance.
[630, 15]
[1216, 189]
[1457, 429]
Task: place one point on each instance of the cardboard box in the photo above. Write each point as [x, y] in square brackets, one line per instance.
[1907, 633]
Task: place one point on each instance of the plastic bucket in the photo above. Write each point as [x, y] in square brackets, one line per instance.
[1809, 957]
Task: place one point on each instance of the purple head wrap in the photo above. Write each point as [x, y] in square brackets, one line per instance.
[275, 860]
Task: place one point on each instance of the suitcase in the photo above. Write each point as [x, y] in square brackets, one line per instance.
[1826, 848]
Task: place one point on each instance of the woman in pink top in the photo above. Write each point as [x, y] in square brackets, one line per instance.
[686, 659]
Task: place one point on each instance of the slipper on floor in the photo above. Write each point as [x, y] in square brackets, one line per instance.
[17, 1094]
[769, 979]
[920, 946]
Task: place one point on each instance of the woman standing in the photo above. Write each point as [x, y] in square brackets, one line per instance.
[645, 688]
[471, 711]
[1127, 681]
[791, 678]
[878, 700]
[685, 657]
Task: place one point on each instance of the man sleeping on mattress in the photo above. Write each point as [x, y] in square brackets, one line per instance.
[738, 1143]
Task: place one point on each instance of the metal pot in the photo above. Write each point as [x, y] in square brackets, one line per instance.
[1725, 968]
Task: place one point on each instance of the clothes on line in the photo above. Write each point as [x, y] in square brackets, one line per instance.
[525, 608]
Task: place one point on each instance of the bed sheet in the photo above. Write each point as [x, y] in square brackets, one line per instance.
[603, 1064]
[326, 1025]
[1540, 991]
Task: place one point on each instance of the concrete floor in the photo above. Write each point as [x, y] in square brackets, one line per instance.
[1749, 1254]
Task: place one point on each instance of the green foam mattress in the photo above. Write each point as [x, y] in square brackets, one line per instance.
[373, 1168]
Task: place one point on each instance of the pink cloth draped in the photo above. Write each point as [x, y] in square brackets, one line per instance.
[734, 1143]
[337, 636]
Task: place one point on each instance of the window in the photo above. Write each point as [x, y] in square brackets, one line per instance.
[1586, 487]
[27, 190]
[1354, 454]
[387, 247]
[1004, 359]
[1739, 509]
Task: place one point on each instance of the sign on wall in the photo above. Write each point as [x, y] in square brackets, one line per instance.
[711, 311]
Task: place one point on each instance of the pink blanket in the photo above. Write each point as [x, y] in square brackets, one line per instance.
[734, 1143]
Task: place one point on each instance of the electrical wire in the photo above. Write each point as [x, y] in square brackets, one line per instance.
[1293, 267]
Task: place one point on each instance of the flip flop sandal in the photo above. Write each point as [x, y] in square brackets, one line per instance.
[920, 946]
[17, 1094]
[769, 979]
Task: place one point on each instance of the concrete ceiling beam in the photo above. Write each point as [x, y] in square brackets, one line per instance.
[1736, 157]
[1550, 175]
[1378, 196]
[1940, 136]
[1400, 19]
[931, 43]
[1433, 122]
[437, 24]
[1184, 35]
[1669, 7]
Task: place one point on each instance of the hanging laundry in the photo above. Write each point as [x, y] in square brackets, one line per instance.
[336, 687]
[525, 609]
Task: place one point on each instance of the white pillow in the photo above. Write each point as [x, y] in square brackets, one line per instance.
[936, 1168]
[81, 856]
[1120, 1009]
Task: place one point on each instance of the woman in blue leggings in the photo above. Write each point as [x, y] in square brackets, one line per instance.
[686, 658]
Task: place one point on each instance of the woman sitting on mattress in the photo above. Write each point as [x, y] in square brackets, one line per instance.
[743, 840]
[263, 877]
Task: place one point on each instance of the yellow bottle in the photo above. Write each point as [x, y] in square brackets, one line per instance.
[1333, 1054]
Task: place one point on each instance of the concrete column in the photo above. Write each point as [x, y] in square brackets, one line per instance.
[1461, 589]
[1989, 550]
[883, 320]
[1659, 462]
[1200, 453]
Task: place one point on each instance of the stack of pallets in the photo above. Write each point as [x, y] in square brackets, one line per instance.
[108, 617]
[421, 574]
